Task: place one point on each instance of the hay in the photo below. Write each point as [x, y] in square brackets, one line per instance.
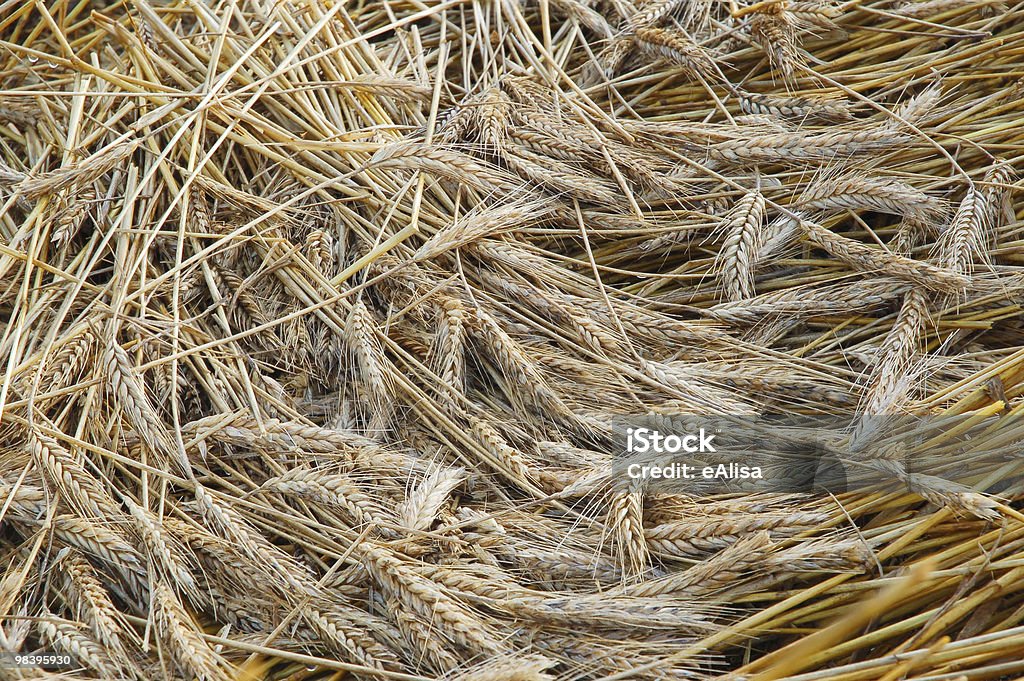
[316, 318]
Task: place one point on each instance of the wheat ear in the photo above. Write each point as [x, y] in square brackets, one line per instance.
[225, 521]
[349, 635]
[625, 518]
[374, 369]
[704, 579]
[70, 639]
[677, 48]
[129, 393]
[332, 489]
[94, 606]
[890, 377]
[81, 488]
[864, 257]
[420, 508]
[164, 551]
[796, 108]
[188, 648]
[449, 349]
[423, 638]
[738, 255]
[513, 668]
[424, 597]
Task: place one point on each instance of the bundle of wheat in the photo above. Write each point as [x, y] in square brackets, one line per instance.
[318, 319]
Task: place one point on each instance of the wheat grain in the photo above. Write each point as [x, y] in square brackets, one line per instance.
[559, 178]
[996, 195]
[397, 88]
[448, 164]
[484, 223]
[654, 13]
[287, 435]
[697, 395]
[509, 462]
[515, 364]
[25, 500]
[608, 61]
[69, 217]
[942, 492]
[70, 359]
[808, 301]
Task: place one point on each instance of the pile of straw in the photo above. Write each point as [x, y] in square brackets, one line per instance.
[315, 317]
